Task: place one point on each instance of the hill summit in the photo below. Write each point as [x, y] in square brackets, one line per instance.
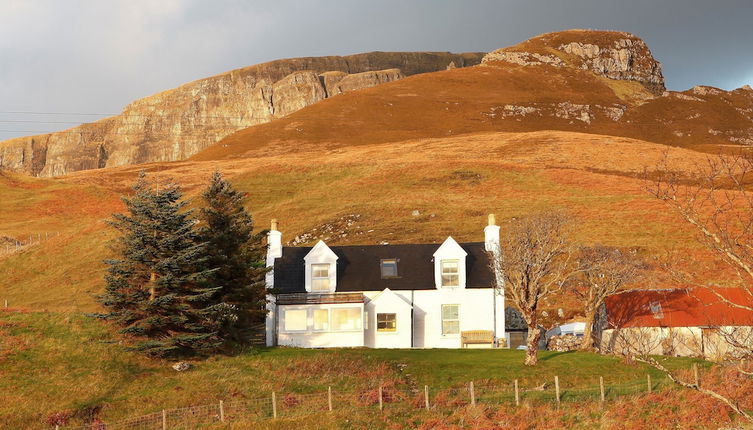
[612, 54]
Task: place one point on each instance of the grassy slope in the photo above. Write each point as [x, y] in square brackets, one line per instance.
[67, 362]
[509, 174]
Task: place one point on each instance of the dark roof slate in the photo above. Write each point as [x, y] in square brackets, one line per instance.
[359, 267]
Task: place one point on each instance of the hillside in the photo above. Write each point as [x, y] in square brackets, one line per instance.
[379, 186]
[177, 123]
[586, 81]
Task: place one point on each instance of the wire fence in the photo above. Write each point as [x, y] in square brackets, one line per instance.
[12, 245]
[297, 405]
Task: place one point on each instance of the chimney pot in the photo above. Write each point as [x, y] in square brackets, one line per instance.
[274, 224]
[492, 220]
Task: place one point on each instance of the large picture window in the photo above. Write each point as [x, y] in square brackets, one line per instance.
[450, 319]
[346, 318]
[295, 320]
[450, 276]
[320, 277]
[386, 322]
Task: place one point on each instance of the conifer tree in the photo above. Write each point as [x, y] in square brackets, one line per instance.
[239, 258]
[157, 289]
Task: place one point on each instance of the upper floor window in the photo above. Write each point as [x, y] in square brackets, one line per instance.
[450, 275]
[389, 268]
[320, 277]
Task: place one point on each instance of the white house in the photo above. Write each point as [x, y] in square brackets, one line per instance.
[382, 296]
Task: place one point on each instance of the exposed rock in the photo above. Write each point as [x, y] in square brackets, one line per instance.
[181, 366]
[703, 90]
[339, 229]
[615, 55]
[178, 123]
[523, 58]
[357, 81]
[746, 87]
[296, 91]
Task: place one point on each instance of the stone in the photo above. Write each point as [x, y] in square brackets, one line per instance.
[563, 343]
[181, 366]
[357, 81]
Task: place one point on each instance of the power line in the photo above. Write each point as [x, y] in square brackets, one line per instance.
[126, 115]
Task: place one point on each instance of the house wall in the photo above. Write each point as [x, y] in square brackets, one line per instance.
[676, 341]
[476, 313]
[311, 338]
[401, 337]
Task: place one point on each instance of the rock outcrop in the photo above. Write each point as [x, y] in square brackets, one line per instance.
[178, 123]
[612, 54]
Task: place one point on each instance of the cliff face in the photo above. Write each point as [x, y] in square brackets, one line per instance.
[178, 123]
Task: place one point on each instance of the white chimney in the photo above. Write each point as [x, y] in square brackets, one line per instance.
[274, 243]
[274, 250]
[491, 235]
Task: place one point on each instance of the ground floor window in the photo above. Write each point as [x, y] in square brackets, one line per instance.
[386, 322]
[450, 319]
[346, 318]
[295, 320]
[321, 319]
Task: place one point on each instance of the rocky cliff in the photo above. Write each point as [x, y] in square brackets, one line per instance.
[178, 123]
[612, 54]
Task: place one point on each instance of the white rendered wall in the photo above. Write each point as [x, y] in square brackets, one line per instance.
[389, 302]
[319, 339]
[476, 313]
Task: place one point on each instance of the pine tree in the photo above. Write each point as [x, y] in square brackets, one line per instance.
[239, 257]
[157, 289]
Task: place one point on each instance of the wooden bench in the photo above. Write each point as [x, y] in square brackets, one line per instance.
[476, 337]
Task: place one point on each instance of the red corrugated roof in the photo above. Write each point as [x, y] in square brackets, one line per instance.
[688, 307]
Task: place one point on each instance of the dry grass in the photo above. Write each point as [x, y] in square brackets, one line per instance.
[454, 182]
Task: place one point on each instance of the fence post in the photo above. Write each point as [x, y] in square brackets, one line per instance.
[648, 381]
[557, 389]
[274, 405]
[517, 394]
[426, 396]
[329, 398]
[696, 375]
[164, 419]
[601, 389]
[381, 404]
[222, 412]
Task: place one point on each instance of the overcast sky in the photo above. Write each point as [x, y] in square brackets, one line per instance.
[96, 56]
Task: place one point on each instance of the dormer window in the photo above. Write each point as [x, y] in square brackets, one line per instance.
[320, 277]
[389, 268]
[450, 273]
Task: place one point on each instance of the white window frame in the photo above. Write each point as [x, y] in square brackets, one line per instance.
[285, 320]
[456, 274]
[443, 320]
[332, 319]
[386, 330]
[314, 268]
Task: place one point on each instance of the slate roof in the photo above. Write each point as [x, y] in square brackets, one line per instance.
[359, 267]
[691, 307]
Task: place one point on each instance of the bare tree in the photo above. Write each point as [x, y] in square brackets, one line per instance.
[601, 272]
[533, 263]
[715, 199]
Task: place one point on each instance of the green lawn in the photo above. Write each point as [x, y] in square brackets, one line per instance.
[52, 362]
